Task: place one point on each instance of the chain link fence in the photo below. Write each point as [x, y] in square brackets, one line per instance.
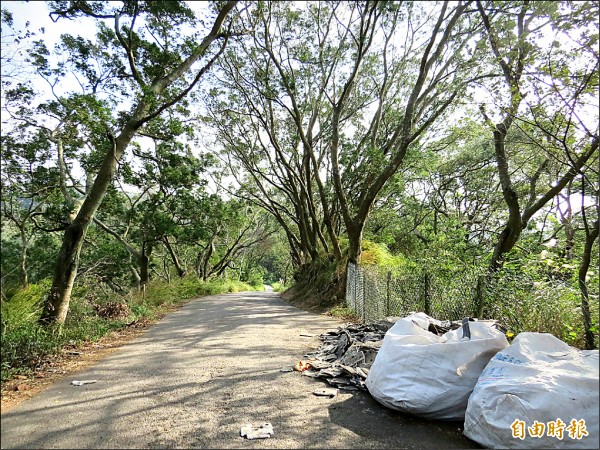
[373, 294]
[520, 303]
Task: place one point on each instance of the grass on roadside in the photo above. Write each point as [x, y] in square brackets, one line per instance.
[279, 287]
[344, 313]
[24, 343]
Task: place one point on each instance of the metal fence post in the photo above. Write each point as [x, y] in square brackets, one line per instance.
[426, 287]
[349, 293]
[364, 302]
[355, 289]
[389, 293]
[480, 293]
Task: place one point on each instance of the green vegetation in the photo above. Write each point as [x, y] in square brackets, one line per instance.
[279, 287]
[318, 286]
[25, 342]
[453, 145]
[536, 289]
[344, 313]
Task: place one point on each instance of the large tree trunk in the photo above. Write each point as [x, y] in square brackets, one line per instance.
[144, 262]
[180, 269]
[514, 226]
[584, 266]
[57, 304]
[355, 233]
[337, 251]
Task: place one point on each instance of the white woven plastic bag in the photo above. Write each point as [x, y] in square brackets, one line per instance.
[525, 390]
[432, 376]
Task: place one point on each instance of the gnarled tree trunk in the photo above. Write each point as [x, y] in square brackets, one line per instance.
[144, 262]
[584, 266]
[180, 269]
[57, 303]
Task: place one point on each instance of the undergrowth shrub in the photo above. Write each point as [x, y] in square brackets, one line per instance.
[24, 306]
[550, 306]
[378, 254]
[344, 313]
[279, 287]
[24, 346]
[24, 343]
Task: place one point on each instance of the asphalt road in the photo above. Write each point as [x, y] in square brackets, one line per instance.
[192, 381]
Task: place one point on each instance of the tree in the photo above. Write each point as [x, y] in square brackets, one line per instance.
[168, 198]
[552, 125]
[591, 228]
[270, 115]
[14, 67]
[302, 86]
[156, 75]
[27, 187]
[429, 74]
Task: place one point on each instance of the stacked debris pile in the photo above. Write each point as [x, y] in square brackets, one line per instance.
[112, 310]
[345, 355]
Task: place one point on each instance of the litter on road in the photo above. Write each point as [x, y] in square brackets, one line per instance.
[326, 392]
[263, 431]
[346, 354]
[301, 366]
[82, 382]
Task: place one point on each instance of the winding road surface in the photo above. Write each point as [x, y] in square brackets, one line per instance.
[193, 379]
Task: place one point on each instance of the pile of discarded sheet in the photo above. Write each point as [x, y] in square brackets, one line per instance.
[345, 355]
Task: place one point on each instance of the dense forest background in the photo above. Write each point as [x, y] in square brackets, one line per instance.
[184, 151]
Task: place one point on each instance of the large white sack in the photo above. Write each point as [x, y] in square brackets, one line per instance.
[538, 378]
[432, 376]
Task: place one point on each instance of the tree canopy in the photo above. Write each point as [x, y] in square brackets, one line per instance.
[263, 137]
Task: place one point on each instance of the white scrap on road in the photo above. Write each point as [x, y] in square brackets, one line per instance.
[82, 382]
[263, 431]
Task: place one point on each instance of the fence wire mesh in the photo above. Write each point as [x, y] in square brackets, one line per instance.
[373, 294]
[519, 302]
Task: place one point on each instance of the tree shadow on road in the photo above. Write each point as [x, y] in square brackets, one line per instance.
[200, 374]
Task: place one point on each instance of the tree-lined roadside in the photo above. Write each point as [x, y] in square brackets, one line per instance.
[196, 377]
[28, 347]
[250, 142]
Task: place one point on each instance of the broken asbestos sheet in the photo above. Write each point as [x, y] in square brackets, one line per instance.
[82, 382]
[326, 392]
[345, 355]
